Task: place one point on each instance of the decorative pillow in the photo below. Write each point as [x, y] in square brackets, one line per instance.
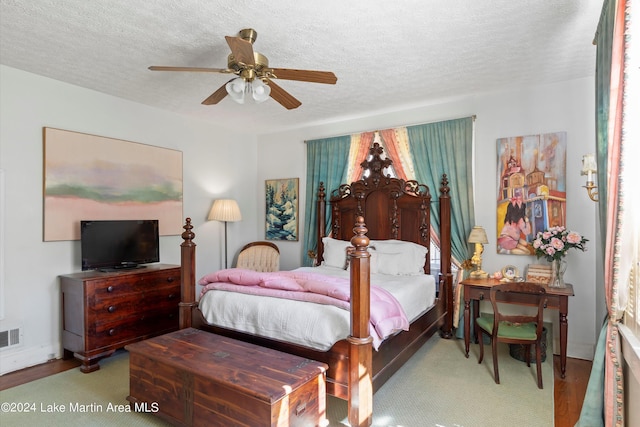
[399, 257]
[335, 252]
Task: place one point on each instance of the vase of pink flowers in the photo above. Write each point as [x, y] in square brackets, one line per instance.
[553, 244]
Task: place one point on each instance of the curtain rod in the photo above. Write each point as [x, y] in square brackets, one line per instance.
[473, 118]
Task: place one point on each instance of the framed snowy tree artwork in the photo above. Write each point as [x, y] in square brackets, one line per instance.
[281, 209]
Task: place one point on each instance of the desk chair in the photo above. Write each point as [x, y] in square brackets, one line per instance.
[259, 256]
[513, 329]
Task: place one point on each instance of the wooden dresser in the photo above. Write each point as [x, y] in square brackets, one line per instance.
[106, 311]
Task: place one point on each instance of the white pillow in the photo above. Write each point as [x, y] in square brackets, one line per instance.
[390, 263]
[335, 252]
[399, 257]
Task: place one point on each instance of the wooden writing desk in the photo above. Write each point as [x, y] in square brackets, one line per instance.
[478, 289]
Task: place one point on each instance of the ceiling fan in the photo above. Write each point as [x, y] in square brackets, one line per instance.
[255, 79]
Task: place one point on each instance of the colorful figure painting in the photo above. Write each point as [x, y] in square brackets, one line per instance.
[531, 189]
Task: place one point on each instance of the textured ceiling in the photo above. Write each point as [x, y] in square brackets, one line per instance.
[387, 55]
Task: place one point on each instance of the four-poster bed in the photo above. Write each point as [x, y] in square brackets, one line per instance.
[377, 209]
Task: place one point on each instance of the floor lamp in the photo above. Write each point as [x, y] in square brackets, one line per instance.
[225, 210]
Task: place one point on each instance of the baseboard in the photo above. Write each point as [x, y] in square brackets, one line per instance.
[11, 361]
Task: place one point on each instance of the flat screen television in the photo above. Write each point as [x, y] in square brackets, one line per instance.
[111, 245]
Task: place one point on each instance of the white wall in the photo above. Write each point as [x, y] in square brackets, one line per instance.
[214, 162]
[567, 106]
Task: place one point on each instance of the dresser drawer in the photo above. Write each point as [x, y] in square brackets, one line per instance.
[130, 302]
[109, 333]
[106, 288]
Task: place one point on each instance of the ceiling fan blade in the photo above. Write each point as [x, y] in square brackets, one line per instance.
[282, 96]
[216, 96]
[241, 49]
[199, 69]
[326, 77]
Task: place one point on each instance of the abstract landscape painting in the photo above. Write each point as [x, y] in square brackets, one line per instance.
[282, 209]
[88, 177]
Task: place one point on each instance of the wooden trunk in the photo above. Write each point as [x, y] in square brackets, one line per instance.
[193, 378]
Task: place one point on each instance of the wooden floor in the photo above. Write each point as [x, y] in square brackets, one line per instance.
[568, 392]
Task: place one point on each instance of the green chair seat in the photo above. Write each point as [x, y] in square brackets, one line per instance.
[521, 331]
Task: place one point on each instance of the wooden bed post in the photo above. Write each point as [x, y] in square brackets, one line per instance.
[360, 398]
[321, 209]
[446, 278]
[187, 275]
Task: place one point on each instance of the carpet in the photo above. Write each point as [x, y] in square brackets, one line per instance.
[438, 386]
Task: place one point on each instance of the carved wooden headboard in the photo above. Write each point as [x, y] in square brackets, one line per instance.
[392, 208]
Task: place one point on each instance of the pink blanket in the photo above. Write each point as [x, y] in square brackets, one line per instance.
[386, 314]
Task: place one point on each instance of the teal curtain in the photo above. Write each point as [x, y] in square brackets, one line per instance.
[592, 413]
[604, 42]
[327, 162]
[446, 147]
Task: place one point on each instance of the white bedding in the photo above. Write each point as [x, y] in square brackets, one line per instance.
[307, 324]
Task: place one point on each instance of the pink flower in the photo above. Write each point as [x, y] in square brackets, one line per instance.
[574, 237]
[554, 243]
[557, 243]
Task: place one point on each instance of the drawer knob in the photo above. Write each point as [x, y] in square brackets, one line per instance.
[110, 289]
[481, 296]
[111, 309]
[112, 332]
[172, 296]
[170, 279]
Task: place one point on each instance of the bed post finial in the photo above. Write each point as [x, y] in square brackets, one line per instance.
[187, 234]
[360, 240]
[360, 399]
[444, 186]
[187, 275]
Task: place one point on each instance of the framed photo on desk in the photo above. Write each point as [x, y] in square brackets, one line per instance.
[510, 272]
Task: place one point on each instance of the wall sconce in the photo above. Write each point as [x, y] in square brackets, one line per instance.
[589, 169]
[479, 237]
[225, 210]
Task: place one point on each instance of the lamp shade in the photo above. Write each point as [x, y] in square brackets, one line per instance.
[478, 235]
[588, 164]
[236, 89]
[226, 210]
[244, 90]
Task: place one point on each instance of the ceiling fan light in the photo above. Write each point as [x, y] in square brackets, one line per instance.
[260, 91]
[237, 89]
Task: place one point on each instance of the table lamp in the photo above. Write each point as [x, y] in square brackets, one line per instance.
[225, 210]
[479, 237]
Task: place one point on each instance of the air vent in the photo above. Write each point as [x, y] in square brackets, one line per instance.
[10, 338]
